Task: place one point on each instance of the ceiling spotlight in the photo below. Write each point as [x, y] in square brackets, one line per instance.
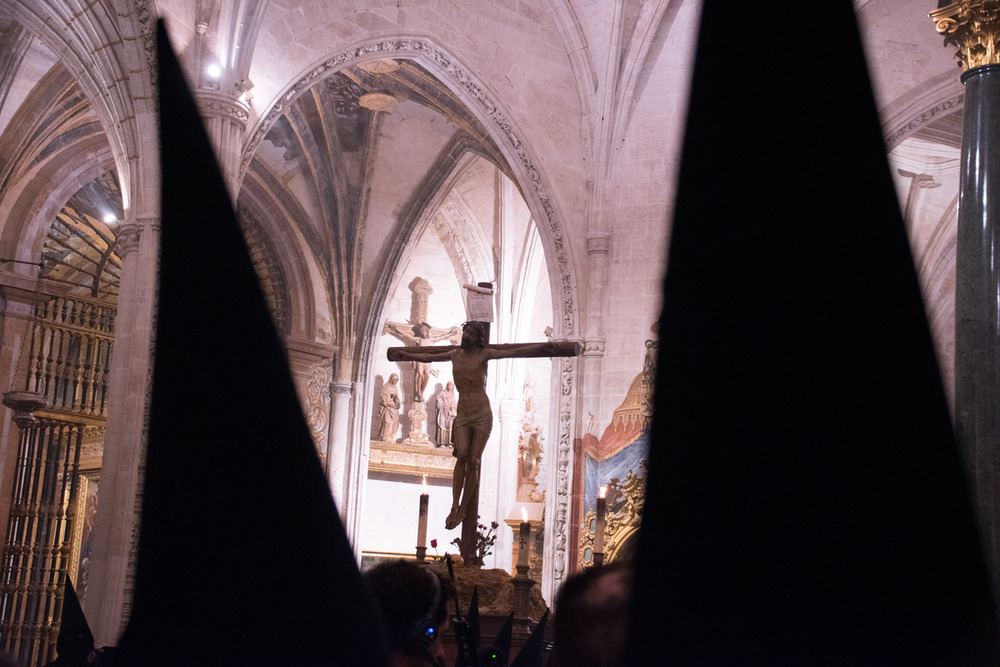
[214, 70]
[110, 218]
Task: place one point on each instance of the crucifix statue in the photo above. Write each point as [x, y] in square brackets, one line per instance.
[416, 333]
[474, 421]
[419, 335]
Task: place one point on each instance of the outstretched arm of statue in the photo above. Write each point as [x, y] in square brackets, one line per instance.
[421, 354]
[453, 334]
[390, 328]
[547, 349]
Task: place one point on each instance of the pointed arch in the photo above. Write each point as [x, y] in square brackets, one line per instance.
[529, 176]
[120, 48]
[526, 172]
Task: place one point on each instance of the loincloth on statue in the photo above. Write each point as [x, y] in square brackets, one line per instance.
[481, 421]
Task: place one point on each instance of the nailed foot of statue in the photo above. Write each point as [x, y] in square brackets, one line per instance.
[454, 517]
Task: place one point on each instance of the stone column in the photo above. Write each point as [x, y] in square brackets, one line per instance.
[973, 26]
[355, 469]
[108, 599]
[225, 119]
[598, 247]
[340, 421]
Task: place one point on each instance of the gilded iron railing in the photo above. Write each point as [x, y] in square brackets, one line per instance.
[67, 359]
[38, 544]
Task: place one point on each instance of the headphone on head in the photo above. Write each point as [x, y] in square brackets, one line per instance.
[424, 630]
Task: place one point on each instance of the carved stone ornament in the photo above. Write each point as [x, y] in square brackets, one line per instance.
[598, 245]
[92, 447]
[127, 237]
[318, 405]
[413, 460]
[924, 118]
[974, 27]
[418, 416]
[530, 449]
[213, 104]
[564, 458]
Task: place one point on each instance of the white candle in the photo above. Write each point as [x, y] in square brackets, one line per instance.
[602, 509]
[524, 539]
[422, 517]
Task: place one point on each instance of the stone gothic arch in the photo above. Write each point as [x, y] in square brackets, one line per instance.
[528, 174]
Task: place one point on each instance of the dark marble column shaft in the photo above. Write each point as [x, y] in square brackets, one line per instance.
[977, 301]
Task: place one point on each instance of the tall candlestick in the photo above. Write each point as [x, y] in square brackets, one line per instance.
[524, 540]
[602, 509]
[422, 522]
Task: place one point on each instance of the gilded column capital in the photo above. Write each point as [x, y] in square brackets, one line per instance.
[974, 27]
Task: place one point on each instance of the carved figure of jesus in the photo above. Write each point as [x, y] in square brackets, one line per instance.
[422, 336]
[474, 421]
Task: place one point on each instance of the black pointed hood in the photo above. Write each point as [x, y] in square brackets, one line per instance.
[806, 503]
[530, 654]
[242, 558]
[75, 640]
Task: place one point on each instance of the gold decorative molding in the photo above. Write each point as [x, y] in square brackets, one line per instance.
[974, 27]
[416, 460]
[626, 501]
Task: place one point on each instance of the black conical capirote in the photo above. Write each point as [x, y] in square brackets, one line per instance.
[75, 641]
[502, 641]
[806, 501]
[242, 558]
[530, 654]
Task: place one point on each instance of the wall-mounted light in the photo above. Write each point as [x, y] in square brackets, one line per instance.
[214, 71]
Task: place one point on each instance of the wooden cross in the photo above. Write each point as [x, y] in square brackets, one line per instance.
[474, 421]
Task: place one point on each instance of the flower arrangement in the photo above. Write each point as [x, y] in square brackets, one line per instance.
[486, 537]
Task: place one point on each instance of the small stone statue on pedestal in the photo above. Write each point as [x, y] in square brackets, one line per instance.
[447, 408]
[388, 410]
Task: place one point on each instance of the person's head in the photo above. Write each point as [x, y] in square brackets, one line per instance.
[591, 617]
[450, 386]
[394, 378]
[423, 330]
[413, 600]
[473, 335]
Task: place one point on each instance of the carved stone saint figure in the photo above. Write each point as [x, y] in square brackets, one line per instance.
[447, 408]
[388, 410]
